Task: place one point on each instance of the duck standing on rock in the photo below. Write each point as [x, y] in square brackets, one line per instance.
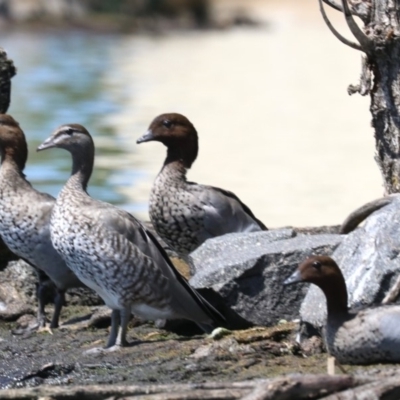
[112, 253]
[186, 214]
[25, 220]
[369, 336]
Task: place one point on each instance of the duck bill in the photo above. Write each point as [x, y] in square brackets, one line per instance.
[47, 144]
[147, 137]
[294, 278]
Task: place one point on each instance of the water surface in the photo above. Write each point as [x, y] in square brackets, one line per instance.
[276, 125]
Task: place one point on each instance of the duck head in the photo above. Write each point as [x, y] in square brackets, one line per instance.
[12, 141]
[177, 133]
[326, 274]
[316, 269]
[71, 137]
[77, 140]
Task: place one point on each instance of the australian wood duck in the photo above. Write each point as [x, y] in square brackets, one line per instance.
[185, 214]
[111, 252]
[25, 219]
[368, 336]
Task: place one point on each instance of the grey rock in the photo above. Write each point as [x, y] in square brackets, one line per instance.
[369, 258]
[247, 270]
[18, 285]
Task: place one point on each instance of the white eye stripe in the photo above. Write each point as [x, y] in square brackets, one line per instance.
[61, 136]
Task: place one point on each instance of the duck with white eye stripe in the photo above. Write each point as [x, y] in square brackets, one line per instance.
[112, 252]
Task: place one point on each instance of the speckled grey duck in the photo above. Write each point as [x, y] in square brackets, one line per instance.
[369, 336]
[111, 252]
[25, 219]
[185, 214]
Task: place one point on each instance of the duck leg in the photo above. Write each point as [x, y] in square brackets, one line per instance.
[119, 327]
[41, 314]
[117, 338]
[42, 325]
[59, 301]
[125, 316]
[115, 322]
[41, 294]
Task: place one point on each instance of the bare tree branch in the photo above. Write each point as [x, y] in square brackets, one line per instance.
[365, 42]
[333, 5]
[335, 32]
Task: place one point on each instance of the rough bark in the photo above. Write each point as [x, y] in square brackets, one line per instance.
[380, 75]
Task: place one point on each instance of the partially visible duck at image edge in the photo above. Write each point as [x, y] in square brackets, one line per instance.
[185, 214]
[369, 336]
[25, 221]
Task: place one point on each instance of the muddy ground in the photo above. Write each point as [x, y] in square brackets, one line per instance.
[155, 355]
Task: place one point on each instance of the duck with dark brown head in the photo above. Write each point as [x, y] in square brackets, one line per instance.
[185, 214]
[111, 252]
[368, 336]
[25, 219]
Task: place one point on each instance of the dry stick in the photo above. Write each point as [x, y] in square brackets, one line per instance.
[387, 388]
[292, 387]
[303, 387]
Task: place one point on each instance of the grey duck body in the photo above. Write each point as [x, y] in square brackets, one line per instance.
[111, 252]
[25, 217]
[185, 214]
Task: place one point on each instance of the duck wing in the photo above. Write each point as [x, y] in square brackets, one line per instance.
[225, 212]
[186, 299]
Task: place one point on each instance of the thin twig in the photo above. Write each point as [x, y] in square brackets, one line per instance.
[335, 32]
[333, 5]
[366, 43]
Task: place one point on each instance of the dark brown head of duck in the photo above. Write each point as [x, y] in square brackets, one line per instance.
[12, 141]
[326, 274]
[178, 134]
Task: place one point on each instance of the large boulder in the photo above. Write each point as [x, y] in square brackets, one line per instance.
[18, 287]
[247, 270]
[369, 258]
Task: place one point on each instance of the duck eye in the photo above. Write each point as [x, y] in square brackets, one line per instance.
[69, 131]
[167, 123]
[316, 264]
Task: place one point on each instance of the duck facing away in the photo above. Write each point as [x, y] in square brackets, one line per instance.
[112, 253]
[185, 214]
[25, 219]
[369, 336]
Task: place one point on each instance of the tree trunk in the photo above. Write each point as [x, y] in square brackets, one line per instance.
[380, 76]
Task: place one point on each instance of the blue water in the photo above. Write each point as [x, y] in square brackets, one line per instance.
[60, 79]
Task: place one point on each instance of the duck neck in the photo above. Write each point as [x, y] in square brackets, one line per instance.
[336, 297]
[183, 153]
[13, 158]
[174, 169]
[82, 167]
